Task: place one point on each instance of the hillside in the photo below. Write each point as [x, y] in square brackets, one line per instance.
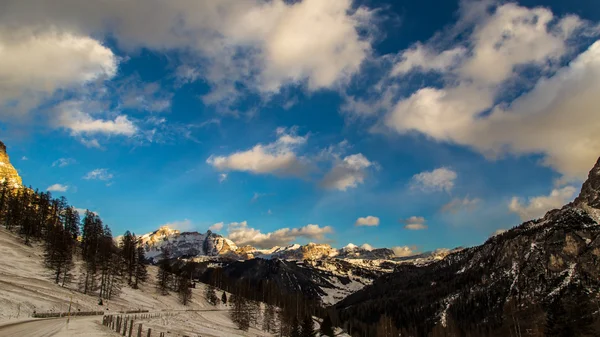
[526, 272]
[26, 286]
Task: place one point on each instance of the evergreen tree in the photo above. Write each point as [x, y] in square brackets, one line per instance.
[327, 326]
[295, 329]
[128, 252]
[224, 298]
[141, 272]
[163, 277]
[240, 313]
[308, 327]
[211, 295]
[269, 319]
[183, 289]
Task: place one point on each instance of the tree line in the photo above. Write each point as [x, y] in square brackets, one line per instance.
[106, 265]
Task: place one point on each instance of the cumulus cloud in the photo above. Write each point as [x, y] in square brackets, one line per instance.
[57, 188]
[38, 61]
[279, 158]
[262, 45]
[222, 177]
[414, 223]
[216, 227]
[185, 225]
[367, 221]
[367, 246]
[468, 110]
[99, 174]
[62, 162]
[423, 58]
[440, 179]
[403, 251]
[459, 204]
[82, 211]
[347, 173]
[72, 117]
[241, 234]
[536, 207]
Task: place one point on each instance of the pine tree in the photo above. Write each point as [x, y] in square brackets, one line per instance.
[211, 295]
[295, 329]
[327, 326]
[183, 289]
[269, 319]
[128, 252]
[240, 313]
[163, 277]
[308, 327]
[224, 298]
[141, 272]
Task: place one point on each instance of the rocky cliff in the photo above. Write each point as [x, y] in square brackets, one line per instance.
[7, 171]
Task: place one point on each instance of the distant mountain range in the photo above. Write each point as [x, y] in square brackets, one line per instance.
[318, 271]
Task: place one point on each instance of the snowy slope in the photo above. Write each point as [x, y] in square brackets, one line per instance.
[25, 287]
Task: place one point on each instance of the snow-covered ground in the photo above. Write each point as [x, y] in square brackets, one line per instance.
[26, 286]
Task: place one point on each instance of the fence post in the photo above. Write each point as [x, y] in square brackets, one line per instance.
[130, 327]
[139, 330]
[149, 332]
[125, 327]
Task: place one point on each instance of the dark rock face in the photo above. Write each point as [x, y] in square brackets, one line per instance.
[535, 262]
[590, 191]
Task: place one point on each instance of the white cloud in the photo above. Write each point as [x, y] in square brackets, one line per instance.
[414, 223]
[440, 179]
[71, 117]
[57, 188]
[538, 206]
[241, 234]
[347, 173]
[216, 227]
[457, 204]
[466, 111]
[403, 251]
[185, 225]
[222, 177]
[99, 174]
[367, 246]
[498, 232]
[62, 162]
[82, 211]
[279, 157]
[367, 221]
[38, 61]
[263, 45]
[423, 58]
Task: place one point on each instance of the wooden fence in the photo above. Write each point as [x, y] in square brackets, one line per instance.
[129, 326]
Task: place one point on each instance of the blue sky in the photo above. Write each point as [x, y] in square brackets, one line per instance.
[415, 125]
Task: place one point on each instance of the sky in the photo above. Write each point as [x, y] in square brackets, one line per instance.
[403, 124]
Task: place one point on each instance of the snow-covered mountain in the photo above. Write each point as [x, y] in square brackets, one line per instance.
[186, 244]
[523, 271]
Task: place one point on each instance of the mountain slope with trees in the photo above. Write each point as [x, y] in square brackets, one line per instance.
[539, 278]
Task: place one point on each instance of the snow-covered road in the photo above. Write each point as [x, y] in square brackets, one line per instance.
[56, 327]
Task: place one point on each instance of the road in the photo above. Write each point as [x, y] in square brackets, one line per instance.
[56, 327]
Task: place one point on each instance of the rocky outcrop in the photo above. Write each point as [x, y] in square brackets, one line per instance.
[7, 171]
[186, 244]
[590, 191]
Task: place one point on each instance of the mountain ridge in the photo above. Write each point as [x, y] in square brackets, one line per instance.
[524, 271]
